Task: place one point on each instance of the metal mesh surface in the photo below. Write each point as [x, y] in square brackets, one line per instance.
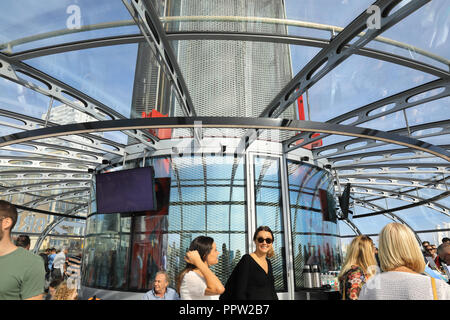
[233, 78]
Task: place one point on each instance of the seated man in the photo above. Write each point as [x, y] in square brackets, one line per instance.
[161, 290]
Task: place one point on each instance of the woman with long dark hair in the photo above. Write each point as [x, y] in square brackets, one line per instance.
[252, 278]
[196, 281]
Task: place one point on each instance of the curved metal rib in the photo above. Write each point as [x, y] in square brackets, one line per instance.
[11, 70]
[229, 122]
[377, 109]
[238, 36]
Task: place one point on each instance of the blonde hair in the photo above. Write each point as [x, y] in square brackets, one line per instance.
[64, 293]
[398, 247]
[360, 253]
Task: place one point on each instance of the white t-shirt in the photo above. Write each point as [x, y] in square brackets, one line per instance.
[193, 287]
[58, 262]
[394, 285]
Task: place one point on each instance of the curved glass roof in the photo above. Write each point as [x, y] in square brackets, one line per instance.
[377, 94]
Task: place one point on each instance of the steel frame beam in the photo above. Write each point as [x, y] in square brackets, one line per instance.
[389, 215]
[44, 163]
[220, 122]
[416, 204]
[150, 25]
[87, 140]
[237, 36]
[393, 181]
[59, 197]
[411, 168]
[363, 144]
[339, 49]
[43, 149]
[398, 102]
[391, 155]
[45, 186]
[429, 184]
[356, 189]
[49, 86]
[43, 175]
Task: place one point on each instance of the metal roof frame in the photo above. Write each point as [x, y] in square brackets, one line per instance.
[333, 52]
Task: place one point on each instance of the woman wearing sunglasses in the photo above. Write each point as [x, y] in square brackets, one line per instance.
[252, 278]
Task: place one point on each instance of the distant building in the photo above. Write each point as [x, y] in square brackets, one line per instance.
[442, 234]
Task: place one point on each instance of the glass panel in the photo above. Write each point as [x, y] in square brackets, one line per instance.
[435, 237]
[324, 11]
[432, 38]
[60, 21]
[106, 251]
[344, 229]
[264, 16]
[315, 236]
[360, 80]
[149, 251]
[372, 224]
[423, 218]
[269, 212]
[160, 238]
[214, 207]
[218, 15]
[23, 101]
[108, 80]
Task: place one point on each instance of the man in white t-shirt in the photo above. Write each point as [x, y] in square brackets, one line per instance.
[59, 263]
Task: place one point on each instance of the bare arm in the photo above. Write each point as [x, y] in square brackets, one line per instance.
[213, 284]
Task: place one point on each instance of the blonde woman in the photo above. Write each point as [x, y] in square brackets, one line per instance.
[402, 263]
[359, 266]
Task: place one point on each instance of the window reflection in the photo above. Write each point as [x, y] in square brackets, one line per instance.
[106, 251]
[269, 212]
[315, 238]
[124, 251]
[204, 197]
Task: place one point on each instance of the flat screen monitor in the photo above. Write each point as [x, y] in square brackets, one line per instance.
[123, 191]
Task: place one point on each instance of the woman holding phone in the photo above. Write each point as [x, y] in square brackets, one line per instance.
[252, 278]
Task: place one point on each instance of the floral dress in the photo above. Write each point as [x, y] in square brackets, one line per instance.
[353, 281]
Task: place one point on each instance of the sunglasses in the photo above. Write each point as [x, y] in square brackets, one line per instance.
[268, 240]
